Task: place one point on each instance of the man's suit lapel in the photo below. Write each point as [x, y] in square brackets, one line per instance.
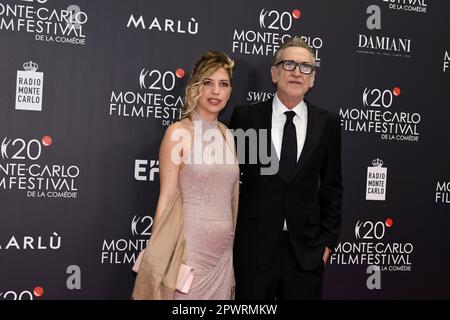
[312, 135]
[262, 119]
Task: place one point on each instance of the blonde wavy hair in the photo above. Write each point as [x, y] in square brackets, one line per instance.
[206, 65]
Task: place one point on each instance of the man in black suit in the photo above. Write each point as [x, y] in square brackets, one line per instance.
[288, 222]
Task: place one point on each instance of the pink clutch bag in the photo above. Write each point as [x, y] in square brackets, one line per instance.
[185, 275]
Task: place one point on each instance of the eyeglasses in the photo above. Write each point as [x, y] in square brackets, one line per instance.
[290, 65]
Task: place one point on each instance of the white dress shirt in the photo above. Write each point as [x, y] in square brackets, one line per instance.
[278, 120]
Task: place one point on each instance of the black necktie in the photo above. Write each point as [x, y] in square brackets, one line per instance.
[288, 158]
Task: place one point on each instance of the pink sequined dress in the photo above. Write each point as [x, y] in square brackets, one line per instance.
[208, 227]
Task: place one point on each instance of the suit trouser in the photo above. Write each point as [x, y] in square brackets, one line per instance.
[285, 281]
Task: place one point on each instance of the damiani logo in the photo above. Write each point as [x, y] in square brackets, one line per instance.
[381, 45]
[384, 43]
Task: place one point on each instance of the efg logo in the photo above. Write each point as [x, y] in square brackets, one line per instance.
[163, 25]
[415, 6]
[29, 87]
[375, 116]
[47, 24]
[275, 26]
[370, 248]
[157, 99]
[125, 251]
[145, 170]
[381, 44]
[22, 171]
[37, 292]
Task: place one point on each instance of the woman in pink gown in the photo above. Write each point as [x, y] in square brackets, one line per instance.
[208, 226]
[197, 159]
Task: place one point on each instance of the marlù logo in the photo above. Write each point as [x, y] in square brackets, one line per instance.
[47, 24]
[163, 24]
[29, 87]
[376, 181]
[413, 6]
[52, 242]
[159, 98]
[21, 170]
[377, 44]
[370, 248]
[274, 31]
[375, 117]
[124, 250]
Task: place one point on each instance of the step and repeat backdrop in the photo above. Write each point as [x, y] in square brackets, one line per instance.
[87, 89]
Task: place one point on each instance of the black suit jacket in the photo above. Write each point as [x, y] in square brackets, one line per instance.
[311, 201]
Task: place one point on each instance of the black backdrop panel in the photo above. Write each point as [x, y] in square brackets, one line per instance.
[88, 89]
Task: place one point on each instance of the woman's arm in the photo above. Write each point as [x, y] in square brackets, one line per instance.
[170, 162]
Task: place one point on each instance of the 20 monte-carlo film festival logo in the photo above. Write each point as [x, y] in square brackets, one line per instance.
[377, 117]
[47, 23]
[23, 171]
[159, 98]
[371, 247]
[275, 28]
[126, 250]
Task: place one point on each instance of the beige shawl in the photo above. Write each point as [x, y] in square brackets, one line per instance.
[158, 271]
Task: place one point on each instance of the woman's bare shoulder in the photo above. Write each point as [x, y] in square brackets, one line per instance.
[179, 129]
[181, 124]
